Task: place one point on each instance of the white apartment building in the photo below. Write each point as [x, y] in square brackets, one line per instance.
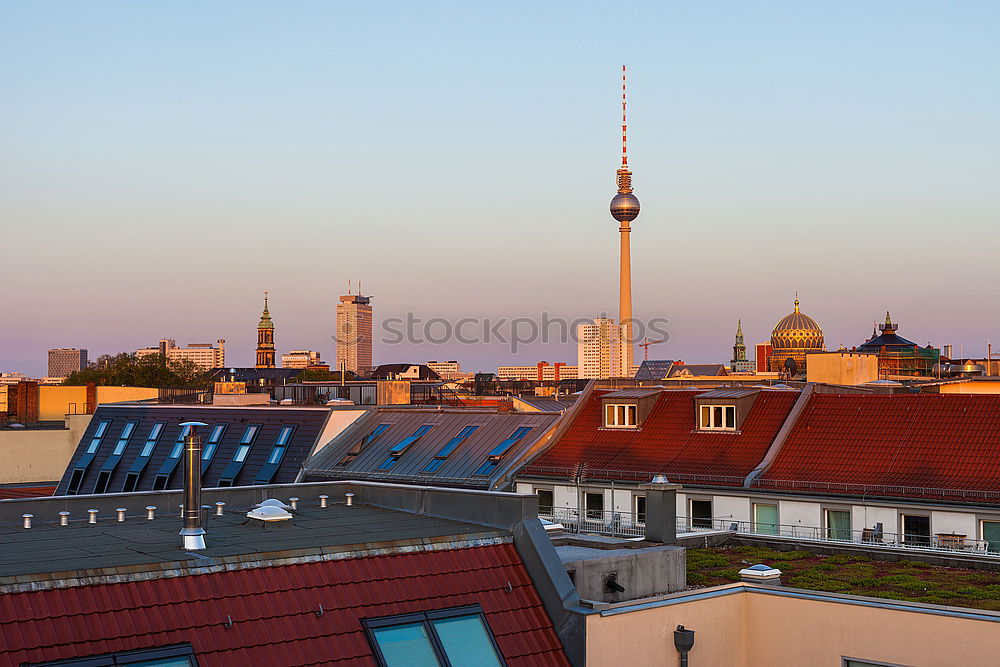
[300, 359]
[203, 355]
[448, 370]
[601, 349]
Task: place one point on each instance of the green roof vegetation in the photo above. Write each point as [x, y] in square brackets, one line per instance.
[851, 574]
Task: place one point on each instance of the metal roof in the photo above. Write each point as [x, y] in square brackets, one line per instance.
[160, 425]
[729, 392]
[632, 393]
[458, 468]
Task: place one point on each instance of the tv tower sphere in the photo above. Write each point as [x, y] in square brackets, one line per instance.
[625, 207]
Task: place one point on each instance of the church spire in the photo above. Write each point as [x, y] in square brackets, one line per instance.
[265, 338]
[739, 348]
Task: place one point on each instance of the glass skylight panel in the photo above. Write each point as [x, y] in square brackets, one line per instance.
[217, 432]
[248, 435]
[502, 448]
[284, 435]
[241, 453]
[151, 439]
[101, 428]
[453, 637]
[398, 449]
[449, 447]
[406, 645]
[123, 439]
[362, 444]
[466, 641]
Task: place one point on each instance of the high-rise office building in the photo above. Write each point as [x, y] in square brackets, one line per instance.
[601, 349]
[354, 334]
[66, 360]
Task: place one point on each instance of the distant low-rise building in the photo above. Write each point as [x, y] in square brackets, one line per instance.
[300, 359]
[203, 355]
[542, 371]
[66, 360]
[852, 368]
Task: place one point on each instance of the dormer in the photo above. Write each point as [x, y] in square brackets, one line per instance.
[723, 410]
[628, 408]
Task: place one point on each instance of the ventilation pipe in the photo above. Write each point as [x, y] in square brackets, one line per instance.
[683, 642]
[192, 534]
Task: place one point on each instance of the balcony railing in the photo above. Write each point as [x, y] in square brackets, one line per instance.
[631, 525]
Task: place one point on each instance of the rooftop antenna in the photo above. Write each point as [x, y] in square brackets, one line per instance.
[360, 291]
[348, 287]
[624, 123]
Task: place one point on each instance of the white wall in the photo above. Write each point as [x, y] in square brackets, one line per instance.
[623, 500]
[866, 516]
[564, 496]
[731, 507]
[955, 522]
[793, 512]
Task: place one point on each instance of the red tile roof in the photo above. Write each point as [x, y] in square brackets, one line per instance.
[667, 443]
[273, 610]
[920, 444]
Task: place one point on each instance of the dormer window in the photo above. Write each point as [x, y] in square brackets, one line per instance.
[717, 418]
[621, 415]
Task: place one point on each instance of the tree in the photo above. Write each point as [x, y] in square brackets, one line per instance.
[151, 370]
[318, 375]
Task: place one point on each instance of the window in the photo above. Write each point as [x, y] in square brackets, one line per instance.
[95, 442]
[235, 466]
[718, 418]
[178, 655]
[362, 444]
[241, 453]
[594, 504]
[851, 662]
[154, 435]
[277, 455]
[545, 501]
[917, 529]
[400, 447]
[765, 519]
[448, 637]
[620, 416]
[701, 513]
[991, 534]
[838, 524]
[123, 439]
[640, 509]
[494, 455]
[449, 447]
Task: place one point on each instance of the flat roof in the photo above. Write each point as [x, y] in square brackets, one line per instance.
[48, 551]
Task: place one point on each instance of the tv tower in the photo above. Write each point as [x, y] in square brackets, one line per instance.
[625, 209]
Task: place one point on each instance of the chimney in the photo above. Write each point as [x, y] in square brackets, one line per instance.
[27, 402]
[90, 402]
[192, 534]
[661, 510]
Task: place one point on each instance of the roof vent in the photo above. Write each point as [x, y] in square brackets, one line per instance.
[273, 502]
[268, 513]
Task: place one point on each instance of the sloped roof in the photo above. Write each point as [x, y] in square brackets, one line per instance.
[460, 466]
[653, 369]
[903, 445]
[667, 443]
[889, 340]
[697, 369]
[307, 422]
[274, 610]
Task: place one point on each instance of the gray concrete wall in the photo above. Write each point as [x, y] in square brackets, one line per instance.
[641, 572]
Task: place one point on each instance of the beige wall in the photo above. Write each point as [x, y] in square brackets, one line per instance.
[842, 368]
[973, 387]
[39, 455]
[749, 629]
[54, 403]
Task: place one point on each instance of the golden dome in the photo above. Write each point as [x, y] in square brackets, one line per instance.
[797, 331]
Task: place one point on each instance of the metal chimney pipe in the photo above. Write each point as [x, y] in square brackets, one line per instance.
[27, 520]
[349, 499]
[192, 534]
[220, 508]
[294, 502]
[93, 516]
[322, 500]
[64, 518]
[150, 512]
[121, 513]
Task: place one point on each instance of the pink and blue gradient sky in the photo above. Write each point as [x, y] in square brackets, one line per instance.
[161, 164]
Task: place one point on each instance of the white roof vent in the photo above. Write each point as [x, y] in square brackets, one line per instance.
[273, 502]
[268, 513]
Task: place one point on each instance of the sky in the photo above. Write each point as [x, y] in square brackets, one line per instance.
[162, 164]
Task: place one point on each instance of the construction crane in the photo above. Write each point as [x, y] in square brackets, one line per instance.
[645, 347]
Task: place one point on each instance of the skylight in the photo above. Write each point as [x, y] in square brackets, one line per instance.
[451, 446]
[496, 454]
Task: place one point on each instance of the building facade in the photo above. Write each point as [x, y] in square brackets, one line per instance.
[354, 334]
[897, 355]
[66, 360]
[203, 355]
[300, 359]
[543, 371]
[601, 350]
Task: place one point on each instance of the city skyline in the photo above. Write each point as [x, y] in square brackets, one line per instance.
[768, 158]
